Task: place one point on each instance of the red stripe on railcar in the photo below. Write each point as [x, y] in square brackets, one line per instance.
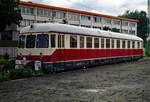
[82, 54]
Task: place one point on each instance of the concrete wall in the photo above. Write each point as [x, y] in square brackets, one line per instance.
[12, 51]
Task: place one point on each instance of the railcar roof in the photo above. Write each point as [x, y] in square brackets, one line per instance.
[64, 28]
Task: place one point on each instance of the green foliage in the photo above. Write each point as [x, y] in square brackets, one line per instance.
[4, 76]
[6, 43]
[9, 13]
[109, 29]
[147, 49]
[106, 28]
[31, 73]
[142, 27]
[115, 30]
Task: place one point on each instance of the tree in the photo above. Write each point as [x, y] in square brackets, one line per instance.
[106, 28]
[115, 30]
[9, 13]
[142, 27]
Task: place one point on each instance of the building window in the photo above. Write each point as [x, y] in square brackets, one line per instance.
[96, 42]
[81, 42]
[53, 13]
[116, 22]
[27, 10]
[118, 43]
[40, 11]
[85, 17]
[107, 43]
[132, 31]
[124, 23]
[89, 42]
[61, 15]
[132, 24]
[73, 41]
[97, 19]
[125, 31]
[102, 43]
[123, 44]
[73, 16]
[112, 43]
[107, 20]
[53, 41]
[128, 44]
[47, 12]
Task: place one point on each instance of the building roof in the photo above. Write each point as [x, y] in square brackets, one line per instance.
[76, 11]
[65, 28]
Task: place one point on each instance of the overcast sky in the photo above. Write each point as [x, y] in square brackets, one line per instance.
[110, 7]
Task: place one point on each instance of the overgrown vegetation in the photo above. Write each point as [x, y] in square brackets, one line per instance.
[8, 71]
[147, 49]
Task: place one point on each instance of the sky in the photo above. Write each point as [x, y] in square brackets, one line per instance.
[110, 7]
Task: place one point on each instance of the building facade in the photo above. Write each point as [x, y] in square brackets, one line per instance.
[39, 13]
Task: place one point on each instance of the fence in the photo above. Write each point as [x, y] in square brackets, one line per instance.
[12, 51]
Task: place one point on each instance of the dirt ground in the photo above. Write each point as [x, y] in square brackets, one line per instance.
[123, 82]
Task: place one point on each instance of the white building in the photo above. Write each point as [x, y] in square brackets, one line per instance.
[39, 13]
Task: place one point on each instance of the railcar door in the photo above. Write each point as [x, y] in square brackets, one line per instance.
[61, 51]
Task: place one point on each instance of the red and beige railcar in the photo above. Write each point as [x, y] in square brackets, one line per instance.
[61, 47]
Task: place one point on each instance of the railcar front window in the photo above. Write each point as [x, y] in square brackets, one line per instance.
[21, 41]
[42, 41]
[30, 41]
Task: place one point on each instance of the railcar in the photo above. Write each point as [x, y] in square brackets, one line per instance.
[61, 47]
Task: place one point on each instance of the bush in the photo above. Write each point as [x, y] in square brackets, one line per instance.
[147, 49]
[4, 76]
[31, 73]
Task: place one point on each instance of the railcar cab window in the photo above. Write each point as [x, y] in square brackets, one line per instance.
[107, 43]
[73, 41]
[118, 43]
[53, 41]
[81, 42]
[89, 42]
[96, 42]
[22, 41]
[42, 41]
[30, 41]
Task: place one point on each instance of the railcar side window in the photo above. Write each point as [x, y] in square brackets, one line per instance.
[107, 43]
[30, 41]
[112, 43]
[60, 41]
[128, 44]
[42, 41]
[53, 41]
[96, 42]
[81, 42]
[102, 43]
[138, 44]
[73, 41]
[123, 44]
[133, 44]
[118, 43]
[22, 41]
[89, 42]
